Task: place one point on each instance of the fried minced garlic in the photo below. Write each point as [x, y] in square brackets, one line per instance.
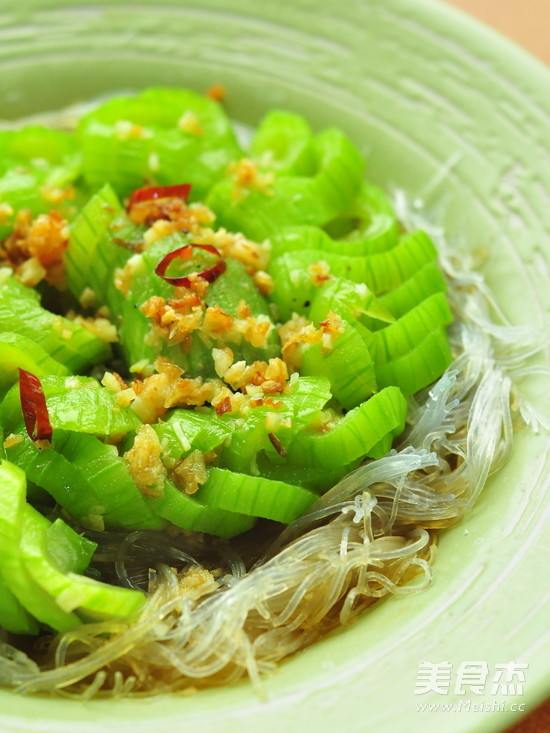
[177, 318]
[233, 402]
[223, 359]
[158, 230]
[270, 377]
[174, 319]
[249, 384]
[254, 329]
[124, 395]
[87, 298]
[324, 421]
[216, 321]
[255, 385]
[34, 249]
[247, 176]
[12, 439]
[216, 92]
[331, 328]
[297, 332]
[167, 388]
[30, 272]
[99, 326]
[56, 195]
[124, 275]
[196, 582]
[319, 272]
[190, 473]
[173, 210]
[144, 462]
[127, 130]
[6, 213]
[264, 282]
[114, 382]
[254, 255]
[189, 123]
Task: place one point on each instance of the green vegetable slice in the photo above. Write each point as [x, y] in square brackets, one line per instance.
[234, 286]
[122, 503]
[36, 165]
[190, 512]
[227, 292]
[187, 430]
[93, 254]
[17, 577]
[13, 617]
[251, 434]
[352, 301]
[64, 340]
[161, 135]
[92, 411]
[368, 225]
[306, 397]
[353, 435]
[289, 200]
[348, 365]
[249, 437]
[10, 409]
[295, 283]
[388, 270]
[382, 447]
[282, 143]
[70, 551]
[302, 236]
[86, 478]
[255, 496]
[403, 336]
[53, 473]
[348, 362]
[419, 367]
[54, 153]
[135, 327]
[293, 275]
[314, 479]
[72, 592]
[423, 283]
[18, 351]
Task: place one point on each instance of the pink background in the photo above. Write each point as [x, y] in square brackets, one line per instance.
[527, 22]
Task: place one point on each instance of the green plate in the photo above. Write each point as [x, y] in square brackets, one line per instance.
[449, 111]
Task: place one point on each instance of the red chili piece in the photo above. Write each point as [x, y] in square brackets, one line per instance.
[151, 193]
[185, 253]
[276, 443]
[33, 405]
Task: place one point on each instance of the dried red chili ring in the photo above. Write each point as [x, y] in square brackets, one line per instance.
[34, 407]
[151, 193]
[185, 253]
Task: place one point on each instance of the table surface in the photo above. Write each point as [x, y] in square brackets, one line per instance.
[527, 23]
